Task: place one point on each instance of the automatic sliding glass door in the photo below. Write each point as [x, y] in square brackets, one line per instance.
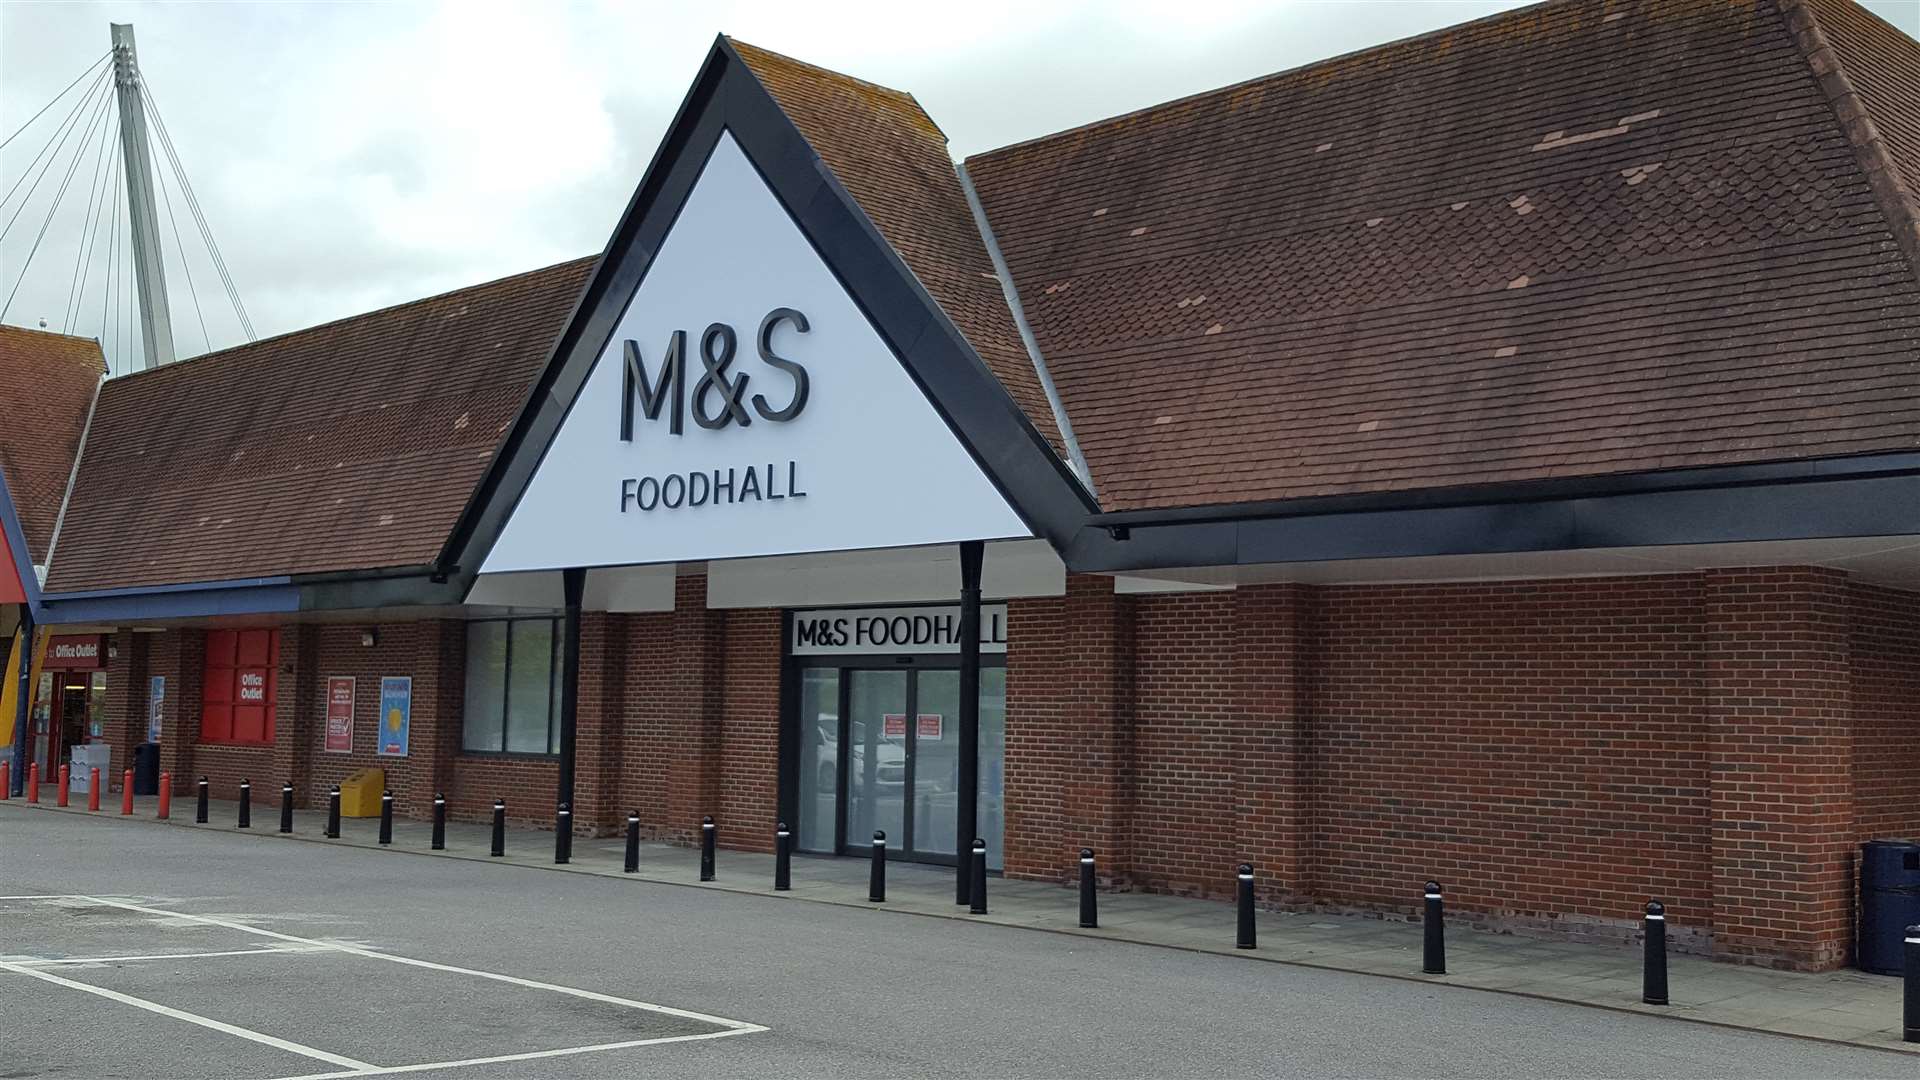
[879, 750]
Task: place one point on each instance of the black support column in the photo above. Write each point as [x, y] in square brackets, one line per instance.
[22, 738]
[967, 818]
[574, 583]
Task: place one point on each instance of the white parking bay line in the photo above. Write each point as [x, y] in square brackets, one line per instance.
[270, 950]
[531, 1055]
[191, 1018]
[740, 1027]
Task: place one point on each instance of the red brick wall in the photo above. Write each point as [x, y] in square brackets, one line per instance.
[1538, 747]
[410, 649]
[649, 723]
[748, 774]
[1069, 753]
[1187, 720]
[1780, 739]
[1886, 713]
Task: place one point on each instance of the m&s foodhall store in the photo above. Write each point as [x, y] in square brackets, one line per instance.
[1491, 456]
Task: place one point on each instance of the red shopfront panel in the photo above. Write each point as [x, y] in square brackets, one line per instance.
[238, 686]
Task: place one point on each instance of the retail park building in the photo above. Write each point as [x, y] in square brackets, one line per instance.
[1493, 456]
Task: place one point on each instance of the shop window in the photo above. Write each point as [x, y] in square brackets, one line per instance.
[513, 687]
[237, 687]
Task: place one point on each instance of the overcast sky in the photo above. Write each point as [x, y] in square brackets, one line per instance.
[353, 155]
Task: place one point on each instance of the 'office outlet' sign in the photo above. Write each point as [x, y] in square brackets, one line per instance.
[744, 406]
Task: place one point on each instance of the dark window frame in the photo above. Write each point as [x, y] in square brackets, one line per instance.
[555, 643]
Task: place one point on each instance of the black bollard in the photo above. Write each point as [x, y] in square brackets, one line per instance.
[633, 843]
[439, 822]
[782, 857]
[1653, 985]
[1089, 910]
[499, 828]
[977, 879]
[246, 804]
[1434, 960]
[200, 809]
[1911, 1006]
[706, 848]
[333, 813]
[563, 835]
[386, 817]
[877, 870]
[286, 807]
[1243, 936]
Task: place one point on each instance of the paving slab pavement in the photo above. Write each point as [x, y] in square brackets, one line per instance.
[1844, 1006]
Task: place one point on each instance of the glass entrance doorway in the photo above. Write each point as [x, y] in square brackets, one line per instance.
[879, 750]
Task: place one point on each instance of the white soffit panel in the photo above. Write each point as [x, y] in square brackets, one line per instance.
[894, 576]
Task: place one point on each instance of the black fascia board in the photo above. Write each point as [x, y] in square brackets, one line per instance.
[727, 97]
[1833, 498]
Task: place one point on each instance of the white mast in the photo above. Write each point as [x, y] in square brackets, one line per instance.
[156, 323]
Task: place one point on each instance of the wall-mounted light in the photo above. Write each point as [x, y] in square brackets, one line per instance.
[369, 638]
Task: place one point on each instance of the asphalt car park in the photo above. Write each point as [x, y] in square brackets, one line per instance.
[130, 949]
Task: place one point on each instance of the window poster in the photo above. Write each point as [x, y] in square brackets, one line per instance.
[156, 706]
[396, 715]
[339, 739]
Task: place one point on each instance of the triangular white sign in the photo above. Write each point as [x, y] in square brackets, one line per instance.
[745, 406]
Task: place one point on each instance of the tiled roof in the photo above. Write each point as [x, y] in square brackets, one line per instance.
[893, 160]
[348, 446]
[47, 383]
[1872, 79]
[1584, 237]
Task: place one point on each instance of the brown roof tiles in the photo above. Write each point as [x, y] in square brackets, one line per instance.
[348, 446]
[47, 382]
[888, 153]
[1658, 213]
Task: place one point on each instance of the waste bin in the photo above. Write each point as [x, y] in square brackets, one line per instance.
[146, 769]
[1889, 903]
[360, 793]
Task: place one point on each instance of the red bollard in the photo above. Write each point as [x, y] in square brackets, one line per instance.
[60, 797]
[33, 782]
[93, 789]
[6, 781]
[166, 796]
[126, 793]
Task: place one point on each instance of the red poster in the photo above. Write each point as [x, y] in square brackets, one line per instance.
[931, 724]
[893, 725]
[339, 714]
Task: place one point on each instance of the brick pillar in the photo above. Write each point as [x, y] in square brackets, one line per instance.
[697, 731]
[126, 720]
[443, 652]
[178, 655]
[1069, 749]
[297, 707]
[1272, 782]
[597, 739]
[1777, 671]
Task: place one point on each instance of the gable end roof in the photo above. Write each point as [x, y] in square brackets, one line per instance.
[727, 97]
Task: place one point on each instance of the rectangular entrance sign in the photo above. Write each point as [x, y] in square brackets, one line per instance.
[933, 630]
[893, 725]
[931, 725]
[396, 715]
[340, 714]
[77, 652]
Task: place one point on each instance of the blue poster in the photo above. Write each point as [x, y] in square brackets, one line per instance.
[396, 715]
[156, 706]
